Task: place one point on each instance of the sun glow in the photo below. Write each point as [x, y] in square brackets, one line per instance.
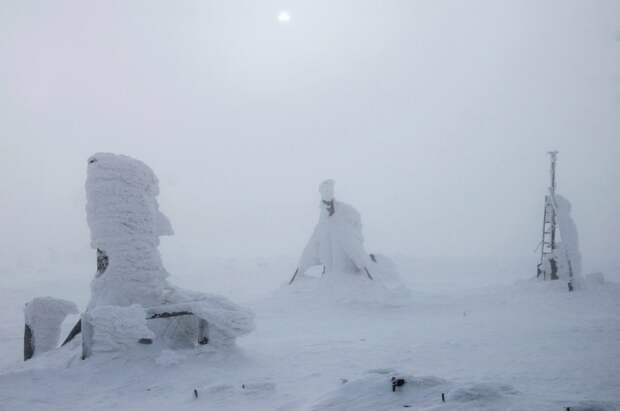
[284, 17]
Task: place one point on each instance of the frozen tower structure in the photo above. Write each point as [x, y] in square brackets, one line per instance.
[337, 242]
[131, 298]
[560, 257]
[125, 225]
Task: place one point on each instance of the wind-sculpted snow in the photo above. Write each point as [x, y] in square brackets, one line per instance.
[125, 224]
[337, 288]
[44, 316]
[485, 349]
[226, 319]
[374, 393]
[569, 236]
[385, 271]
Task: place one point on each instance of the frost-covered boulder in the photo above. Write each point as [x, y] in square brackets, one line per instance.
[125, 224]
[44, 317]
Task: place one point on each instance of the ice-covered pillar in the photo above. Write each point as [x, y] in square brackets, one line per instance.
[132, 301]
[125, 225]
[102, 262]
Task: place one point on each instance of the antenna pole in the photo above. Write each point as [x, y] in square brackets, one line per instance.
[554, 158]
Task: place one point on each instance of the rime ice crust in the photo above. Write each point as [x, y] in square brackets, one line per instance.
[44, 316]
[117, 327]
[125, 223]
[569, 237]
[337, 242]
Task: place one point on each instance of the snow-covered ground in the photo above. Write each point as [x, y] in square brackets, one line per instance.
[317, 346]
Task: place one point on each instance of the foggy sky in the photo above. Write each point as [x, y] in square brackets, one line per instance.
[434, 119]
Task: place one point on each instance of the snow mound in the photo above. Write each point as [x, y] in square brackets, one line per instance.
[375, 393]
[226, 319]
[44, 316]
[595, 406]
[384, 270]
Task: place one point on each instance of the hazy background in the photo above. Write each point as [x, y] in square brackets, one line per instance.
[433, 118]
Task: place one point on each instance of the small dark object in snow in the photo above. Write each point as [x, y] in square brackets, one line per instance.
[294, 275]
[397, 382]
[102, 262]
[406, 406]
[330, 207]
[373, 258]
[443, 397]
[28, 343]
[168, 315]
[203, 341]
[77, 329]
[344, 380]
[554, 269]
[195, 393]
[146, 341]
[570, 286]
[243, 386]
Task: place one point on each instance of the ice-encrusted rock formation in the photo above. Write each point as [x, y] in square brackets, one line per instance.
[125, 224]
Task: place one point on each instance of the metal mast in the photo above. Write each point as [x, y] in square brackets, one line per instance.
[549, 229]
